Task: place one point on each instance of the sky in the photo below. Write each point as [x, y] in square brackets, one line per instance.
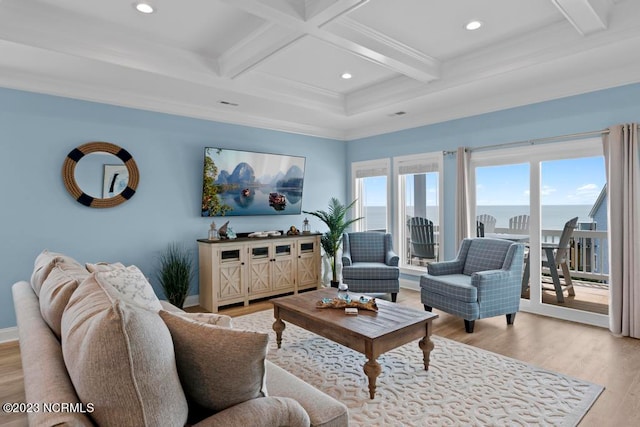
[564, 182]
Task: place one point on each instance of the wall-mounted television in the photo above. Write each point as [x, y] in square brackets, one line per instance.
[249, 183]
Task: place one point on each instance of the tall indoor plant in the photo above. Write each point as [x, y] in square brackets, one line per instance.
[176, 271]
[336, 220]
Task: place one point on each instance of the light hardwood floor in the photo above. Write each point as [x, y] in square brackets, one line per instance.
[585, 352]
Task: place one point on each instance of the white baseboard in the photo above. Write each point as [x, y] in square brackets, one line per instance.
[9, 334]
[409, 284]
[191, 300]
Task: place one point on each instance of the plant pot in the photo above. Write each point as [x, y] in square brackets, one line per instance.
[335, 284]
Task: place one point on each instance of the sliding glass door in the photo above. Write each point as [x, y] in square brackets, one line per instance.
[556, 203]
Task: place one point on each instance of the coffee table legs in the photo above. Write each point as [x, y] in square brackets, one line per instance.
[278, 326]
[372, 369]
[426, 345]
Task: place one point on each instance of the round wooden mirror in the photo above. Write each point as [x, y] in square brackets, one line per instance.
[128, 190]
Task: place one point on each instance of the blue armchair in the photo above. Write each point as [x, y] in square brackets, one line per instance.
[369, 263]
[483, 281]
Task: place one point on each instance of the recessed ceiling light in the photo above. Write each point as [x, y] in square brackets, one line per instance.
[144, 7]
[473, 25]
[346, 76]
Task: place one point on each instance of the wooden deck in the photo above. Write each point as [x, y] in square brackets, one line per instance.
[591, 297]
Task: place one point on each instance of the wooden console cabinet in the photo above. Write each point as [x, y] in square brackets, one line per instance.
[244, 269]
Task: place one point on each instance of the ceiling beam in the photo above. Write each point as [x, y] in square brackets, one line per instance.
[325, 20]
[255, 48]
[587, 16]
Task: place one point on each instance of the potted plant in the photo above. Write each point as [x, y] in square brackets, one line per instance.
[331, 240]
[176, 271]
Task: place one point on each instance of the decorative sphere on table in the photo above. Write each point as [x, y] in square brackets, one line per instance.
[343, 287]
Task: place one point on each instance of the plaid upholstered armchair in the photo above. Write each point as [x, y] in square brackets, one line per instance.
[483, 281]
[369, 263]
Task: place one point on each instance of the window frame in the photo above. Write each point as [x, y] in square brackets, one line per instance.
[399, 243]
[366, 169]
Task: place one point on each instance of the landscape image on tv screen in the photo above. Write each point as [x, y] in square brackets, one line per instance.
[249, 183]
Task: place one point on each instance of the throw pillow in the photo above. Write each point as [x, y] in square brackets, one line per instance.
[45, 262]
[103, 266]
[132, 286]
[219, 367]
[121, 359]
[55, 293]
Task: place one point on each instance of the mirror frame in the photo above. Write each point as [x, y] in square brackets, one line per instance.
[69, 167]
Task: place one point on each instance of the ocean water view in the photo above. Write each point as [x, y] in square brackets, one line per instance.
[553, 216]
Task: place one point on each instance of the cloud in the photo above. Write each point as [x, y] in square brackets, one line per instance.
[588, 188]
[547, 190]
[585, 194]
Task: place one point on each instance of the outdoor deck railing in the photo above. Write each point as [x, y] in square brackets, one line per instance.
[587, 257]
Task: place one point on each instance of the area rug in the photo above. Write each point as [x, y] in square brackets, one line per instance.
[464, 386]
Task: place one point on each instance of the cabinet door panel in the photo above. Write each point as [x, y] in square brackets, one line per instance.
[230, 281]
[260, 276]
[307, 271]
[283, 276]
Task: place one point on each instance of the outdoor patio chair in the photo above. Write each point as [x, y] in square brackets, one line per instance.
[483, 281]
[519, 224]
[369, 263]
[421, 241]
[556, 255]
[488, 222]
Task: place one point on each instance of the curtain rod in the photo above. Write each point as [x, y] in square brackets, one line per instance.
[533, 141]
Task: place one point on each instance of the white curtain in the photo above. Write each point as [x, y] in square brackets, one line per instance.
[463, 221]
[622, 161]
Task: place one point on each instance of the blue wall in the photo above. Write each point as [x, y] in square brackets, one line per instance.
[582, 113]
[38, 131]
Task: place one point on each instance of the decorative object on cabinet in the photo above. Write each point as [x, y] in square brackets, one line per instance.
[335, 219]
[72, 186]
[213, 232]
[223, 230]
[293, 231]
[247, 268]
[305, 226]
[176, 271]
[249, 183]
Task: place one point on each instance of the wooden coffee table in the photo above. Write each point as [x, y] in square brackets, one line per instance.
[370, 333]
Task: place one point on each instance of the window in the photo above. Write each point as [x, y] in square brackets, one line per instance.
[370, 189]
[419, 192]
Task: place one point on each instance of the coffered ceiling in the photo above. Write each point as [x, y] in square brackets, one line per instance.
[278, 64]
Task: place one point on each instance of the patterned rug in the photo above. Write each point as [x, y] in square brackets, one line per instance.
[465, 386]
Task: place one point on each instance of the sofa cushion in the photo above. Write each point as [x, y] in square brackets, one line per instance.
[261, 412]
[103, 266]
[121, 359]
[485, 254]
[367, 247]
[370, 271]
[45, 262]
[208, 318]
[55, 293]
[219, 367]
[454, 286]
[132, 286]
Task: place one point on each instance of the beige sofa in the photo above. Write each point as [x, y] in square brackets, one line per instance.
[90, 357]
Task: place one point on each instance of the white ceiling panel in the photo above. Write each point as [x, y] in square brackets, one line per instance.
[315, 63]
[281, 60]
[436, 27]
